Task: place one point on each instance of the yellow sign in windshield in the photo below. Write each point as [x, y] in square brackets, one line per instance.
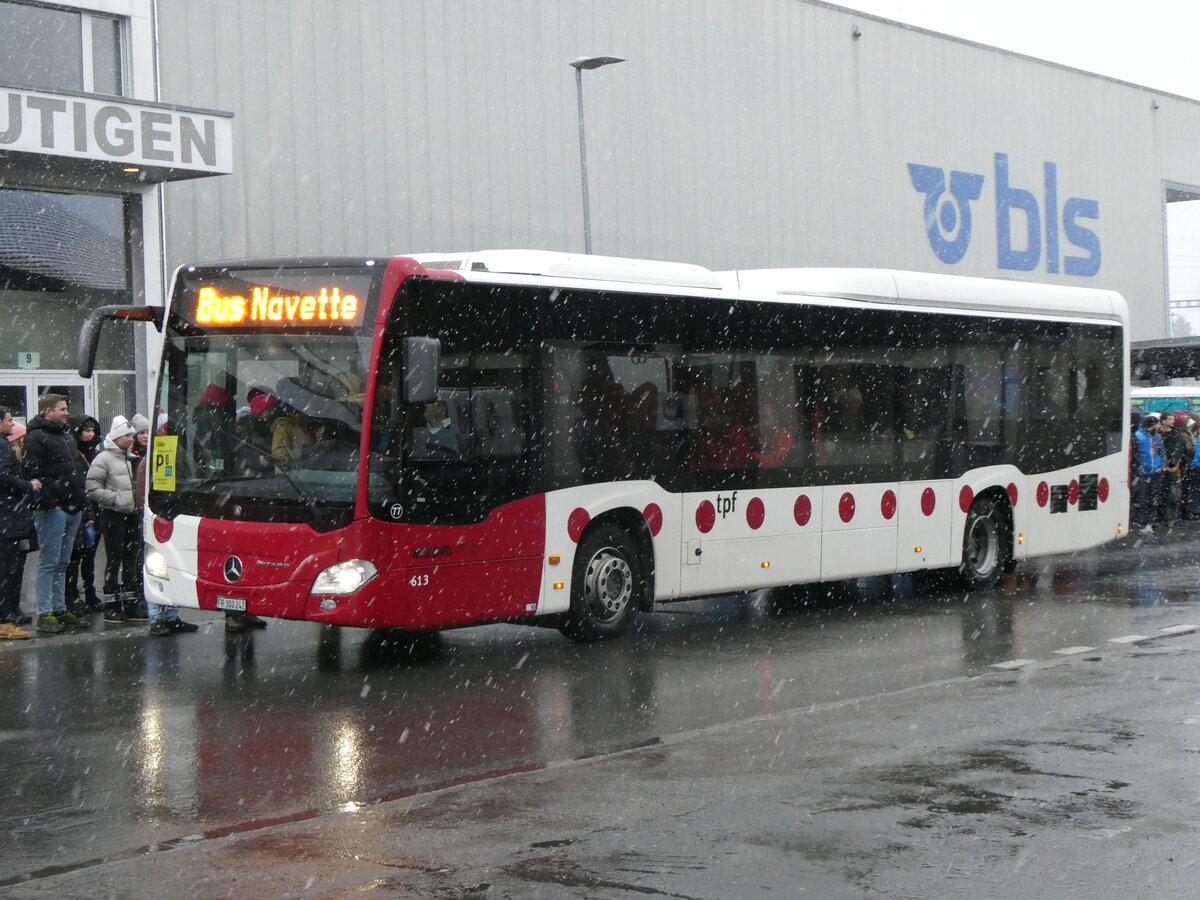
[165, 447]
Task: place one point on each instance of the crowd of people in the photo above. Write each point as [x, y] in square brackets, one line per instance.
[64, 489]
[1164, 469]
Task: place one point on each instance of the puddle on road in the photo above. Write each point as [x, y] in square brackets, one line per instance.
[1030, 784]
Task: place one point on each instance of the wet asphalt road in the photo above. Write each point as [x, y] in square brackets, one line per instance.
[130, 758]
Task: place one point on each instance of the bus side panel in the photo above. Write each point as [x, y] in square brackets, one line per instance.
[736, 532]
[442, 576]
[923, 538]
[860, 539]
[569, 511]
[1061, 525]
[753, 562]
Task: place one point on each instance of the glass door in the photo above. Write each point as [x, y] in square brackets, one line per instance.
[14, 398]
[20, 393]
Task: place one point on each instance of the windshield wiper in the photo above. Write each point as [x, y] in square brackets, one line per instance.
[309, 500]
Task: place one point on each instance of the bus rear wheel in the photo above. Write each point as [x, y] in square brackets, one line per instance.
[987, 546]
[605, 586]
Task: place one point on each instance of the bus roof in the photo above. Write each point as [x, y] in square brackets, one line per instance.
[870, 285]
[887, 286]
[552, 264]
[929, 289]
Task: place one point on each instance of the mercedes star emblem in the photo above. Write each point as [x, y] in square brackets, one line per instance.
[233, 569]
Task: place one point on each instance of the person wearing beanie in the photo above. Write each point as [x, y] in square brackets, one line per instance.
[88, 438]
[254, 456]
[110, 487]
[141, 435]
[211, 429]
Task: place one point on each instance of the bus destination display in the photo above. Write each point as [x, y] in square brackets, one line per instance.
[324, 306]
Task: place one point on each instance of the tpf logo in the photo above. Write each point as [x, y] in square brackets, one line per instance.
[947, 217]
[1021, 221]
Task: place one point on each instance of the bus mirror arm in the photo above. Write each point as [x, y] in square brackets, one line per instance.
[421, 359]
[89, 334]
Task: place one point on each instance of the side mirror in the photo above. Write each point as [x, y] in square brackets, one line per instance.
[421, 358]
[89, 333]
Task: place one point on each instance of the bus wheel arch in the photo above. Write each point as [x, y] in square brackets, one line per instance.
[611, 578]
[987, 540]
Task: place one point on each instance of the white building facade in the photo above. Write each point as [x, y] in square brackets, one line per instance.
[733, 135]
[85, 146]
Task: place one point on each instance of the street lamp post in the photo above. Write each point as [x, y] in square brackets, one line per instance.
[587, 62]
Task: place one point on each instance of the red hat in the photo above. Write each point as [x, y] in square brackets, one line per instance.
[261, 403]
[214, 394]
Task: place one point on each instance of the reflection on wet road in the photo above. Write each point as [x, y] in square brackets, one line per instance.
[115, 741]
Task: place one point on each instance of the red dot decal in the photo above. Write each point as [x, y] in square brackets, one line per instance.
[1043, 494]
[706, 516]
[965, 498]
[654, 519]
[802, 510]
[1073, 492]
[576, 523]
[755, 513]
[887, 505]
[1012, 494]
[846, 507]
[928, 501]
[163, 529]
[1102, 490]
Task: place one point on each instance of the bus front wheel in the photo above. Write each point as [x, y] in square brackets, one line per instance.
[987, 546]
[605, 586]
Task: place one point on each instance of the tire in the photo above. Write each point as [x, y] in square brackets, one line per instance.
[987, 546]
[607, 584]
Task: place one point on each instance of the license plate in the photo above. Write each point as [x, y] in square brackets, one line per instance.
[233, 604]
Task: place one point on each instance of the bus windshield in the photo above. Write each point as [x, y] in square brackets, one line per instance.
[260, 426]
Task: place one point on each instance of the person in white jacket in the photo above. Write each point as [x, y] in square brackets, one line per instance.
[110, 486]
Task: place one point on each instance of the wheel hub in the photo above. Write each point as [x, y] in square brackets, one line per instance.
[608, 585]
[984, 547]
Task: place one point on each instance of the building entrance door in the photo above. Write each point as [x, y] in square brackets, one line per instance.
[20, 392]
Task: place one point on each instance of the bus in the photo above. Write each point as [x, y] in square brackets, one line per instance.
[1165, 399]
[432, 441]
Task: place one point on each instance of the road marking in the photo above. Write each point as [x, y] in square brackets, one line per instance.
[1013, 664]
[1177, 629]
[1071, 651]
[1129, 639]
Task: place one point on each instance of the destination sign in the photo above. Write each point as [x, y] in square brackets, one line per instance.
[315, 308]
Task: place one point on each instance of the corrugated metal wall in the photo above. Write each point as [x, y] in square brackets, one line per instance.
[739, 133]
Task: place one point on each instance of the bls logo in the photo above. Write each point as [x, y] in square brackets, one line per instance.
[948, 219]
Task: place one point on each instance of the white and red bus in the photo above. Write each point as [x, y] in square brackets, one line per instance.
[554, 438]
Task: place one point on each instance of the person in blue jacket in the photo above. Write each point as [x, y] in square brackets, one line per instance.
[1147, 475]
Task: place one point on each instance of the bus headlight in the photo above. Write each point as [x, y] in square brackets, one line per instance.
[343, 578]
[155, 562]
